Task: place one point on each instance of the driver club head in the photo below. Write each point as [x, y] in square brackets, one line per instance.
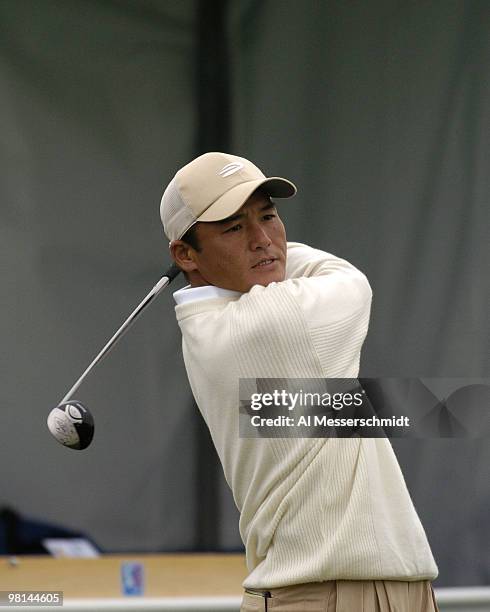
[71, 424]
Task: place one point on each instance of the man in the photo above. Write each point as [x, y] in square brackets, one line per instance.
[328, 524]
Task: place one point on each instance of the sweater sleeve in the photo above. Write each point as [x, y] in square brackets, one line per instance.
[328, 288]
[323, 304]
[303, 260]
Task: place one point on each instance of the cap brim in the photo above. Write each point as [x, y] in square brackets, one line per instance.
[235, 198]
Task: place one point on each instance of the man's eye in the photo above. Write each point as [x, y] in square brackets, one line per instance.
[235, 228]
[269, 217]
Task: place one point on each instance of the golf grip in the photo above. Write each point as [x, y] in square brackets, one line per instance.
[172, 272]
[166, 279]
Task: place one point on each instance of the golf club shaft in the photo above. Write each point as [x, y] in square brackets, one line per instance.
[166, 279]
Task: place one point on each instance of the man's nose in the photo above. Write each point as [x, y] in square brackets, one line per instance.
[259, 238]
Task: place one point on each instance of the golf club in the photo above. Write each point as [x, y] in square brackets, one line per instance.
[70, 422]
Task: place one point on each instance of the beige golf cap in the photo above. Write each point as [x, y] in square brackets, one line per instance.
[212, 187]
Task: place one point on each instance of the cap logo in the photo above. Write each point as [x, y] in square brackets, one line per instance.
[230, 169]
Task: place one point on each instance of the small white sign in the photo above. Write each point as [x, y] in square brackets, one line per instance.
[70, 547]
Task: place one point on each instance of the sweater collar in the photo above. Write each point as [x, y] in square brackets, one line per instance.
[194, 294]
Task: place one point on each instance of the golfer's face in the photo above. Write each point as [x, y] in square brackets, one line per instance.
[249, 248]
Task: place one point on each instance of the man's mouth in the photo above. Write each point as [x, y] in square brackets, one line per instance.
[265, 262]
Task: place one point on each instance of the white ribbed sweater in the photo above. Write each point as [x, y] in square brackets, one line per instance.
[311, 509]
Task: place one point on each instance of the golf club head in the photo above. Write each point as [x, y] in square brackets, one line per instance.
[71, 424]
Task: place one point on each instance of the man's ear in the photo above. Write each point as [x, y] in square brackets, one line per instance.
[183, 255]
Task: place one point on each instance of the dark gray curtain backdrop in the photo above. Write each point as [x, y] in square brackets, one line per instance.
[379, 111]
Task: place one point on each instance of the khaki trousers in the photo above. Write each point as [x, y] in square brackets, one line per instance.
[345, 596]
